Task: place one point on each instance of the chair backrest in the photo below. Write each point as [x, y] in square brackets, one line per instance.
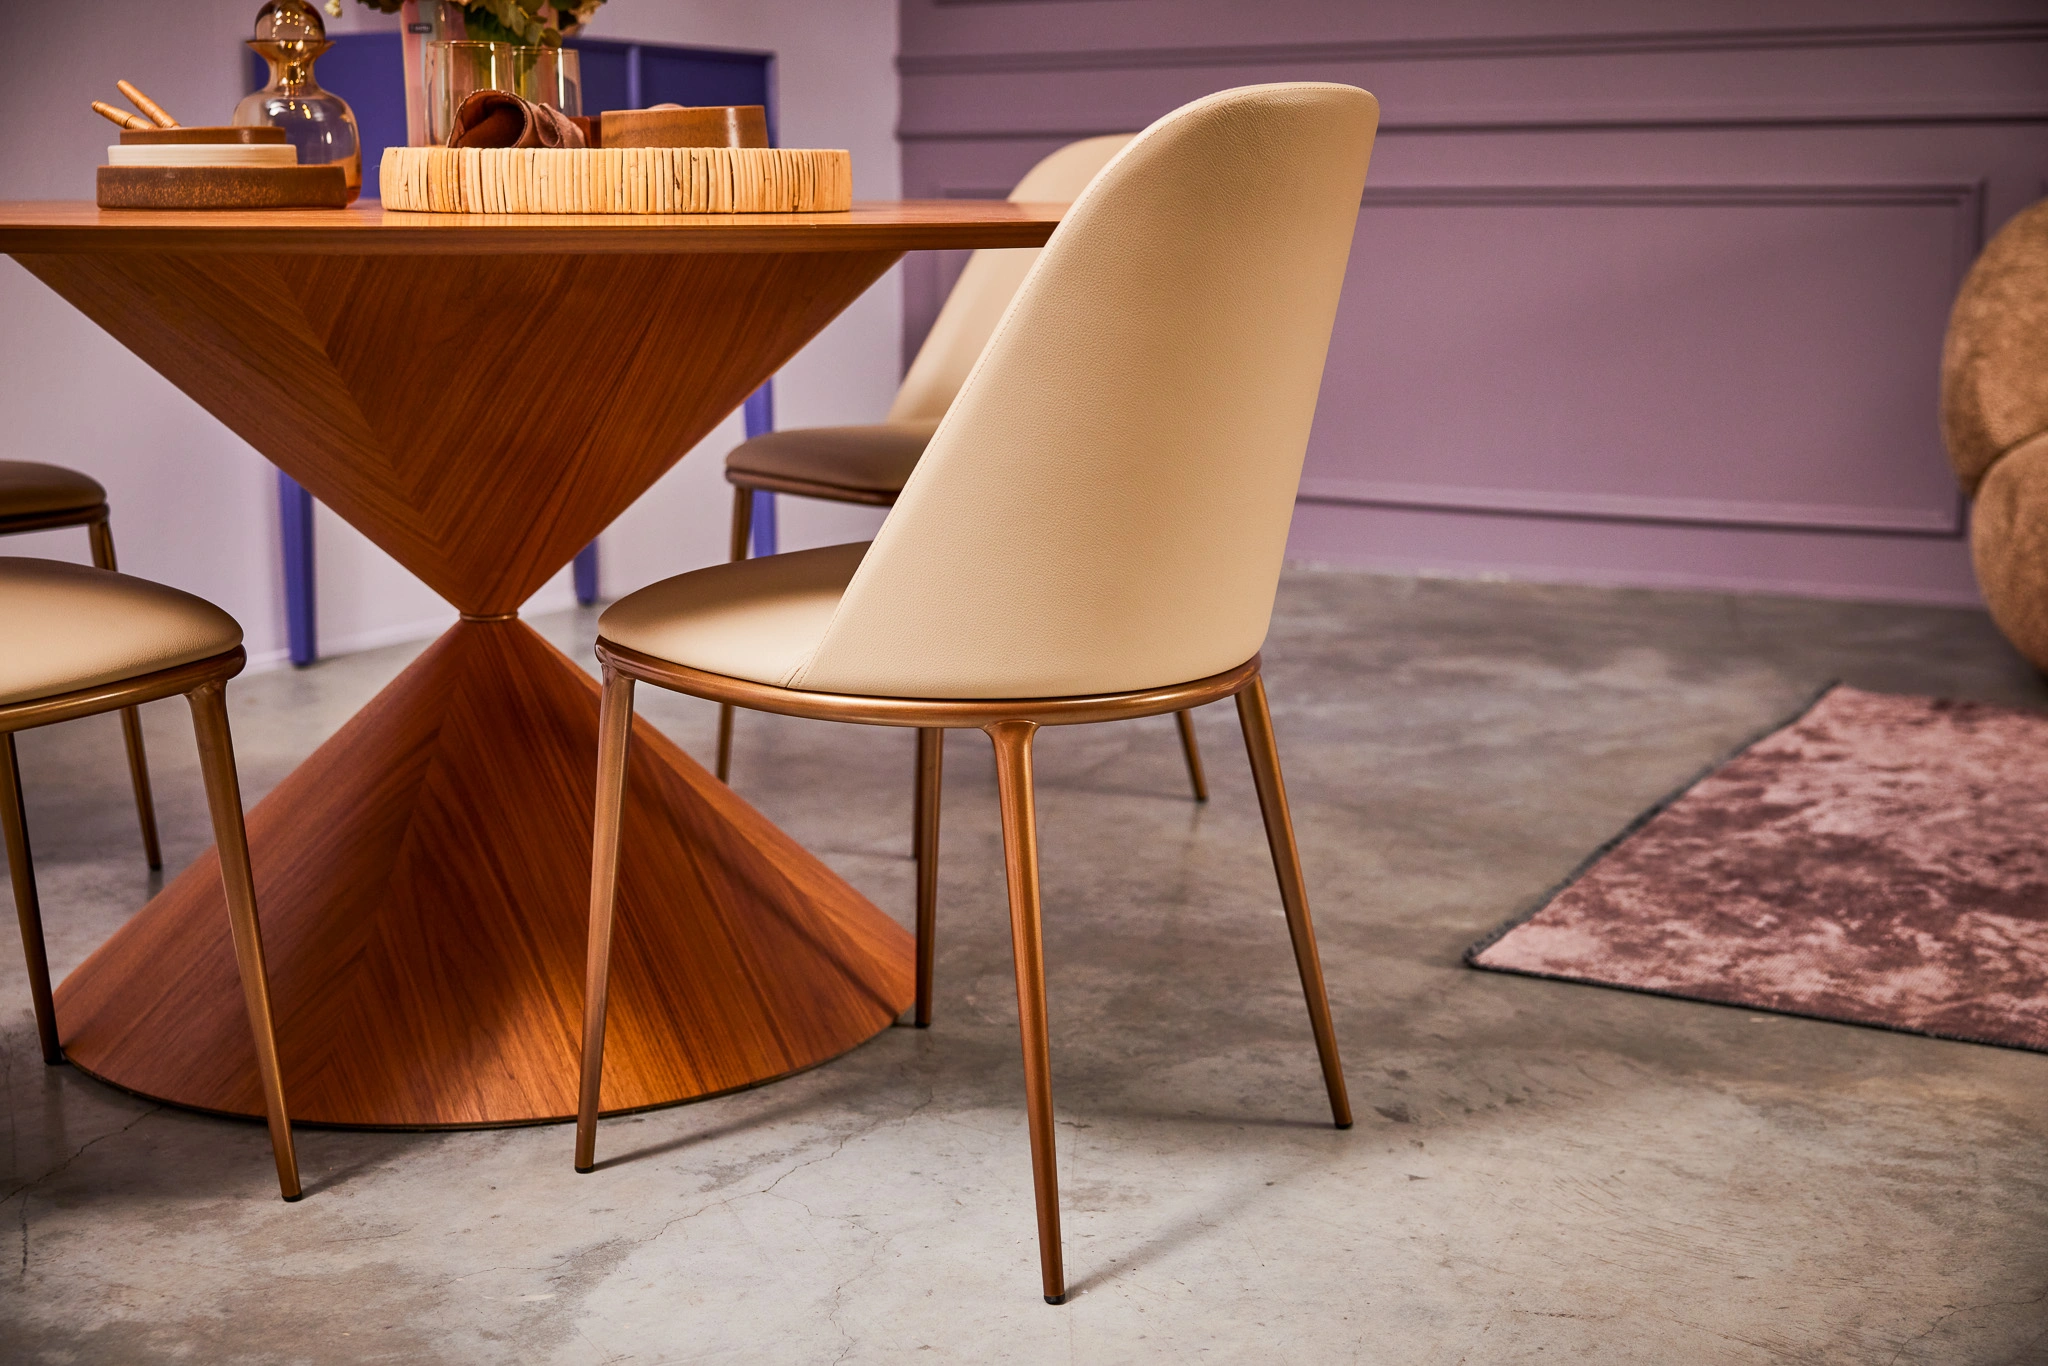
[1105, 505]
[969, 316]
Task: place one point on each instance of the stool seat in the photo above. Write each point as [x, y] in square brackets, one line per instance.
[870, 462]
[29, 488]
[760, 620]
[64, 627]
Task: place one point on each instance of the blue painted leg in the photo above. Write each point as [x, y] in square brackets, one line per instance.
[586, 574]
[760, 416]
[295, 520]
[764, 522]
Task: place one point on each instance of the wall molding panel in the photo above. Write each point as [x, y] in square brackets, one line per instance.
[2030, 111]
[1963, 195]
[1965, 199]
[1626, 43]
[1613, 290]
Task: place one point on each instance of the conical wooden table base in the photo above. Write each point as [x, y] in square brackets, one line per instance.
[480, 395]
[424, 884]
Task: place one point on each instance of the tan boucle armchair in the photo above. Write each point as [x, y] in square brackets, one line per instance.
[1994, 417]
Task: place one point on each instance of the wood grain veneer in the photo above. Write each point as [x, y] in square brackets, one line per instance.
[423, 881]
[480, 396]
[232, 134]
[479, 418]
[368, 229]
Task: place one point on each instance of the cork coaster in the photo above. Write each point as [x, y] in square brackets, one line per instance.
[223, 187]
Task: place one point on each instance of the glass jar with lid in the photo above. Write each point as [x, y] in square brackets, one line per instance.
[319, 123]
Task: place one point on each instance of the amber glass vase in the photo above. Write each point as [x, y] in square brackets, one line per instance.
[290, 36]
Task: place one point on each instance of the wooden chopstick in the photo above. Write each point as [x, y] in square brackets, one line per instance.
[147, 105]
[120, 116]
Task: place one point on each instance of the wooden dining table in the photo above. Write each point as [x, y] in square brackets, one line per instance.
[481, 395]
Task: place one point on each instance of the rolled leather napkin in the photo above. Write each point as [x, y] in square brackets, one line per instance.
[499, 118]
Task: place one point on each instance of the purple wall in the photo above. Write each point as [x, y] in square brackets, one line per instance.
[1650, 295]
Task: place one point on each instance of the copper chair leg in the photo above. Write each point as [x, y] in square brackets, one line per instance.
[138, 772]
[742, 521]
[1012, 741]
[1186, 721]
[224, 799]
[614, 749]
[742, 529]
[931, 755]
[14, 819]
[1257, 721]
[724, 765]
[131, 723]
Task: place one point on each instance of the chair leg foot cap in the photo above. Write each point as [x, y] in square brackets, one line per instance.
[1345, 1125]
[1055, 1299]
[294, 1199]
[585, 1171]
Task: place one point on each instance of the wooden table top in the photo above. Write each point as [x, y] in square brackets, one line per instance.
[64, 226]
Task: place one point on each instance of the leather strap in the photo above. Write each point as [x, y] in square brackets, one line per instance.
[499, 118]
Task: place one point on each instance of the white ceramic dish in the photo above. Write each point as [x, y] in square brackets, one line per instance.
[205, 154]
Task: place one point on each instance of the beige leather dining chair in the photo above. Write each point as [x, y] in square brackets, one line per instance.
[869, 464]
[36, 497]
[1094, 532]
[76, 641]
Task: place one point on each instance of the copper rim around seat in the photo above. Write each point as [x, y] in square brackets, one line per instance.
[924, 711]
[126, 692]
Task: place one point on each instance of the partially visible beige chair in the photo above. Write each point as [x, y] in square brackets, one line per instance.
[1094, 532]
[75, 642]
[37, 497]
[870, 464]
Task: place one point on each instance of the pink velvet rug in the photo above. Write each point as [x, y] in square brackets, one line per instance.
[1878, 860]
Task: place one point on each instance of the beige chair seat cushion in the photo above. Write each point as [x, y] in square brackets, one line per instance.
[754, 619]
[68, 626]
[31, 489]
[867, 460]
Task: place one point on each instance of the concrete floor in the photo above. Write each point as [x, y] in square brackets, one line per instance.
[1541, 1172]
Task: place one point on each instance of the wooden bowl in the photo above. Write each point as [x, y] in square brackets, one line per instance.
[160, 137]
[711, 125]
